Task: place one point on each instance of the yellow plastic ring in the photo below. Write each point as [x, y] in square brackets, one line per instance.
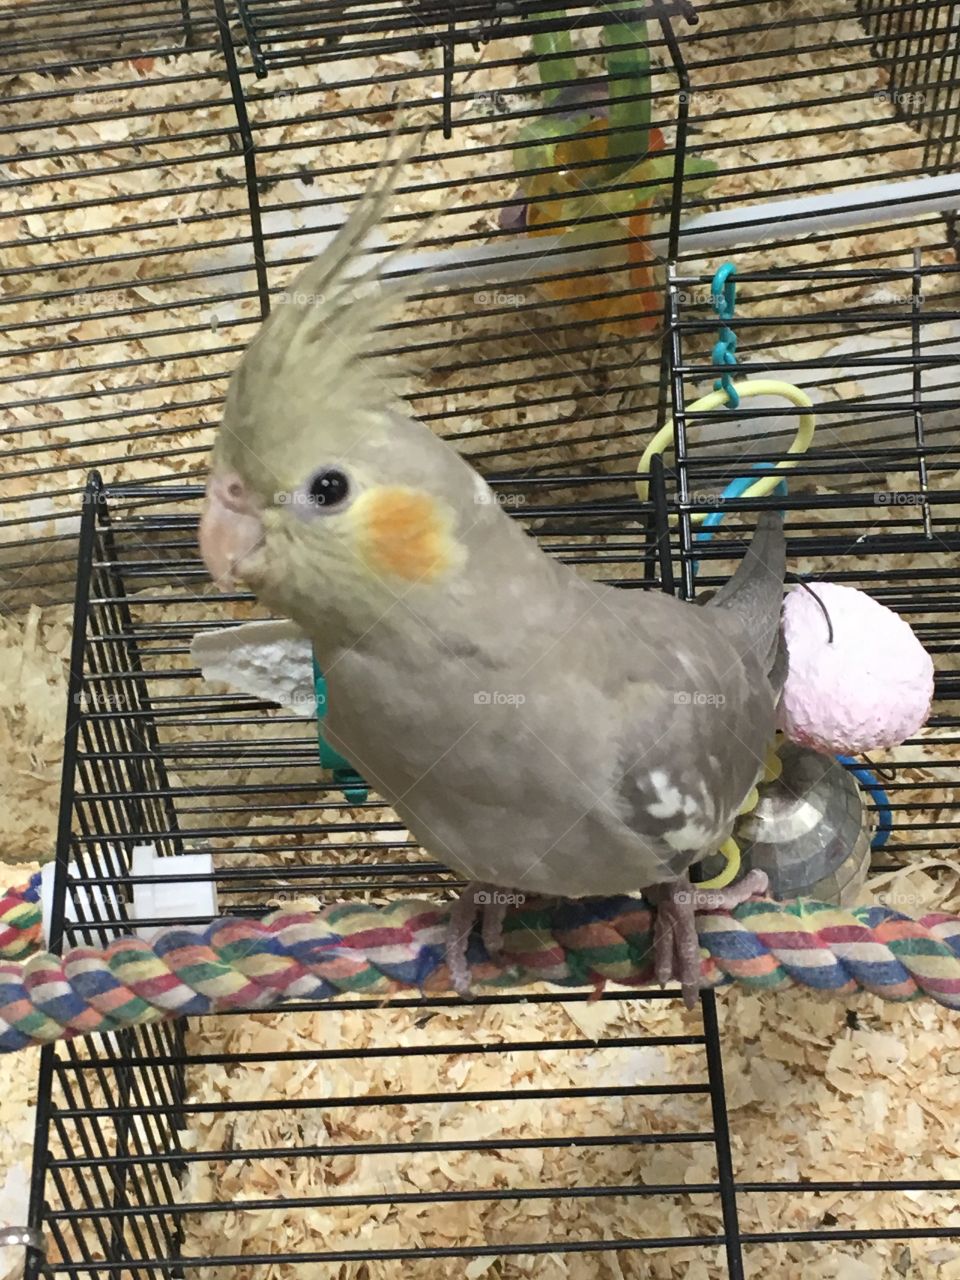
[761, 387]
[731, 851]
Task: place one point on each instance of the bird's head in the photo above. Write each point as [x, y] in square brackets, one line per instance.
[322, 497]
[331, 518]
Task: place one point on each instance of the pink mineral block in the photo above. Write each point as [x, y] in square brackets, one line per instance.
[871, 688]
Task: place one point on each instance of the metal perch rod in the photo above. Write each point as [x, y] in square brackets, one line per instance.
[711, 232]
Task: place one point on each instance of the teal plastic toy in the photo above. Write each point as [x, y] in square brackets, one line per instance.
[354, 788]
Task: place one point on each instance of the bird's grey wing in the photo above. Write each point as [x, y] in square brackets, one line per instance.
[685, 769]
[694, 722]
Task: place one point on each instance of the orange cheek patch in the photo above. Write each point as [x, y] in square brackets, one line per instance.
[404, 533]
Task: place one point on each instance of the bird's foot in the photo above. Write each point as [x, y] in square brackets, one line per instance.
[490, 905]
[676, 947]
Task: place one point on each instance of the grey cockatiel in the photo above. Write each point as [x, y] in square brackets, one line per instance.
[534, 730]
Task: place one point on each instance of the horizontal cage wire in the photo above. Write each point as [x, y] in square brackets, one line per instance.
[166, 168]
[884, 384]
[157, 197]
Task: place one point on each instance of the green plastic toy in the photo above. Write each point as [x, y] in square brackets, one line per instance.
[354, 788]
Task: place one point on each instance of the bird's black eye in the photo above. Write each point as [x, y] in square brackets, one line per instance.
[328, 488]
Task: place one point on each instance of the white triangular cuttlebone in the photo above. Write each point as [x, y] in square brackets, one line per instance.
[269, 660]
[302, 228]
[38, 553]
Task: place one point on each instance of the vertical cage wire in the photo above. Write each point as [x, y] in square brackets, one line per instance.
[921, 49]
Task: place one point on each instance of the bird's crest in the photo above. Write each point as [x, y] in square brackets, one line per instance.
[313, 343]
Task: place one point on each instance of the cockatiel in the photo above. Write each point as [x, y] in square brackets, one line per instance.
[534, 730]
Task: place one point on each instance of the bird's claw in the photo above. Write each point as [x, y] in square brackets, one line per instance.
[676, 946]
[487, 903]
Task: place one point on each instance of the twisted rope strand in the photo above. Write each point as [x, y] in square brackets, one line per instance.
[21, 920]
[240, 964]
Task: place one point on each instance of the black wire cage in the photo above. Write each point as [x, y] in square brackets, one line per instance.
[169, 168]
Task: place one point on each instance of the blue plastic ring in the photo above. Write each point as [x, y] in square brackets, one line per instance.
[884, 812]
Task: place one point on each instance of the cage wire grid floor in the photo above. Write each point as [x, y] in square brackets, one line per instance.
[511, 1137]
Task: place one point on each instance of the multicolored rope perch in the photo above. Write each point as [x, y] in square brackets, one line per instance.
[235, 964]
[21, 920]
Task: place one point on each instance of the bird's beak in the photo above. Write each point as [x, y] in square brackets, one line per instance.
[230, 528]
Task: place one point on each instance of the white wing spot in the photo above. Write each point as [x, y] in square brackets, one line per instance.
[668, 806]
[709, 804]
[690, 836]
[669, 801]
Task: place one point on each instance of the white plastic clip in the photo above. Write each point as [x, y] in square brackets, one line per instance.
[26, 1236]
[172, 897]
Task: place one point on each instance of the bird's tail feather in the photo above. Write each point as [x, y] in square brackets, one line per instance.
[755, 593]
